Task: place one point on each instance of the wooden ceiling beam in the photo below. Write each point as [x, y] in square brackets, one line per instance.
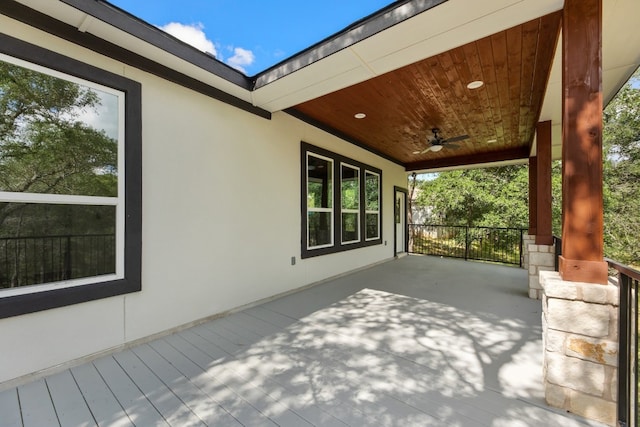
[517, 153]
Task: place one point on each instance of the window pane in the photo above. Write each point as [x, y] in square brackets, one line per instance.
[320, 229]
[56, 136]
[372, 226]
[372, 191]
[319, 182]
[42, 243]
[350, 227]
[350, 188]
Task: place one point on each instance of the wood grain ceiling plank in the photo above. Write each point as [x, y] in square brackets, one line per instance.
[436, 78]
[485, 53]
[473, 124]
[457, 98]
[428, 109]
[514, 66]
[499, 49]
[399, 112]
[480, 96]
[546, 40]
[529, 47]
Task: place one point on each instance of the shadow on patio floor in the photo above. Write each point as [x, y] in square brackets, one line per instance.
[416, 341]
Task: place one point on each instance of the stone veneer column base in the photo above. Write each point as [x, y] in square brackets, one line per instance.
[527, 239]
[580, 344]
[540, 258]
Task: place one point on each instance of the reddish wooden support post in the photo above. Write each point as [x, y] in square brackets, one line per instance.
[544, 234]
[533, 196]
[582, 228]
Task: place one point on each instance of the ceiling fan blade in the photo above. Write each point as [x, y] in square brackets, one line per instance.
[452, 146]
[456, 138]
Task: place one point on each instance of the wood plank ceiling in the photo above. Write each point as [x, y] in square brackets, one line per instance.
[403, 106]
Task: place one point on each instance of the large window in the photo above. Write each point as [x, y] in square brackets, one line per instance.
[350, 202]
[341, 203]
[69, 181]
[372, 215]
[319, 201]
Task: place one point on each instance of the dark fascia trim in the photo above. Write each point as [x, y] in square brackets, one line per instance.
[67, 32]
[318, 124]
[337, 238]
[375, 23]
[516, 153]
[130, 24]
[38, 301]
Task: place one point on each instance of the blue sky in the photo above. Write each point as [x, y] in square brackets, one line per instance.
[251, 35]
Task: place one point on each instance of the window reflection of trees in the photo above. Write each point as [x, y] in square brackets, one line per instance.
[57, 137]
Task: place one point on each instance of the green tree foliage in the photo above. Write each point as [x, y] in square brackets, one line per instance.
[621, 144]
[46, 147]
[491, 197]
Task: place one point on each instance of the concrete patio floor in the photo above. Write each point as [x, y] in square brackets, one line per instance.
[418, 341]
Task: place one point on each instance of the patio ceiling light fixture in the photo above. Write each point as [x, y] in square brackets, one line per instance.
[475, 84]
[360, 115]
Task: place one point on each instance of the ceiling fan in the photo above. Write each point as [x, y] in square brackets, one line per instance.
[437, 143]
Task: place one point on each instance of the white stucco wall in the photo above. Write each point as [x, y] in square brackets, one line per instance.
[221, 221]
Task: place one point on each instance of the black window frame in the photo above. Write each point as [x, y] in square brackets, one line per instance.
[34, 301]
[338, 160]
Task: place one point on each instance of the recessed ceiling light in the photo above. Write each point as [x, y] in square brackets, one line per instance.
[417, 152]
[491, 141]
[475, 84]
[360, 115]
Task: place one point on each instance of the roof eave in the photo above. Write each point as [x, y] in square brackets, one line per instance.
[358, 31]
[124, 21]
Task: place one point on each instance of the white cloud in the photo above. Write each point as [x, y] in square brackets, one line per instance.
[195, 36]
[241, 58]
[191, 34]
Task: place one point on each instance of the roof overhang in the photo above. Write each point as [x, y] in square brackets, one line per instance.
[402, 34]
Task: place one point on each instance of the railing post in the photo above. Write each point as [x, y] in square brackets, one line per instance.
[67, 259]
[521, 243]
[558, 247]
[627, 353]
[466, 242]
[623, 350]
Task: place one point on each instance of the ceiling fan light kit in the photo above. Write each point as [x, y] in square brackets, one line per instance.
[437, 143]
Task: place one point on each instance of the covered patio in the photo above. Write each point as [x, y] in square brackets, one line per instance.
[420, 340]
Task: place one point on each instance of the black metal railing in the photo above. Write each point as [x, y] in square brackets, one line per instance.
[493, 244]
[628, 280]
[557, 244]
[42, 259]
